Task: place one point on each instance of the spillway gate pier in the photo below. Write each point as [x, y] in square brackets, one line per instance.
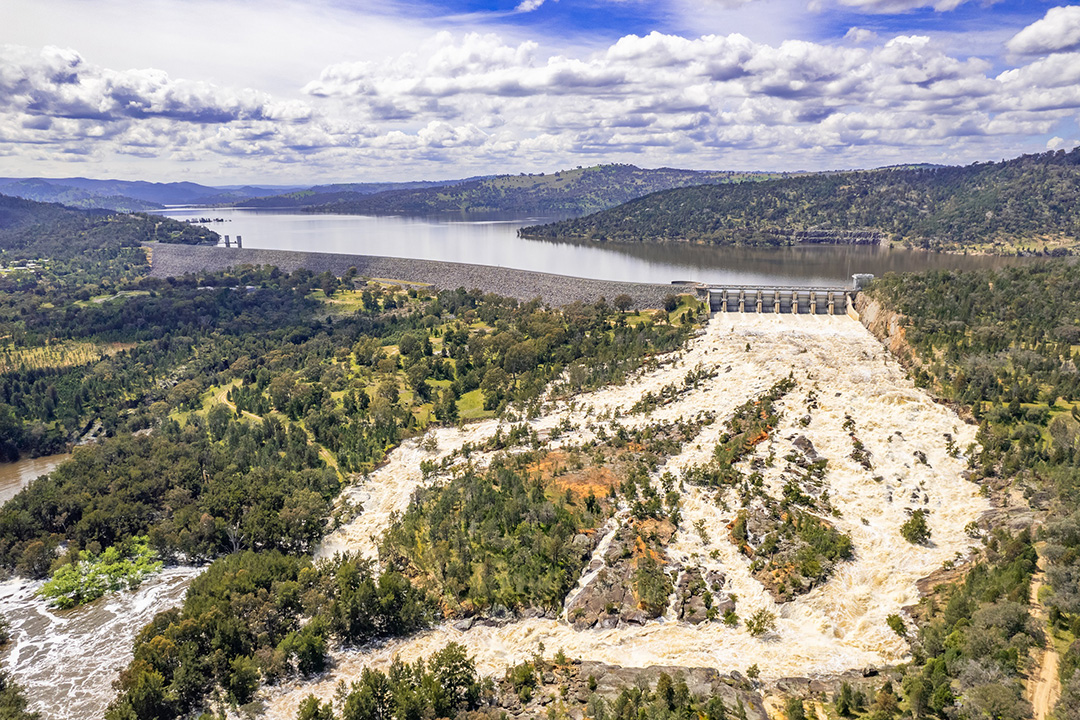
[779, 299]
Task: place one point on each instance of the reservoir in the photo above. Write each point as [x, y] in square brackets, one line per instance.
[493, 240]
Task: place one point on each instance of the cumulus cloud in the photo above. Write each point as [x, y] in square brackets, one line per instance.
[528, 5]
[1057, 31]
[58, 83]
[484, 104]
[861, 36]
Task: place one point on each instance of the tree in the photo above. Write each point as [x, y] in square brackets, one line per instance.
[623, 302]
[671, 302]
[794, 710]
[520, 357]
[844, 700]
[446, 410]
[494, 386]
[761, 622]
[455, 672]
[312, 709]
[916, 531]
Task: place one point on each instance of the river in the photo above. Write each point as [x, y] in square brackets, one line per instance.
[14, 476]
[839, 625]
[494, 241]
[67, 660]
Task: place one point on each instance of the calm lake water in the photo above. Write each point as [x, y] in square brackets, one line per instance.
[494, 241]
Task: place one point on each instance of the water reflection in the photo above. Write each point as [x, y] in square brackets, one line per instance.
[493, 240]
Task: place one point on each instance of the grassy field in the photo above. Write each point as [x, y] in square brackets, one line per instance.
[56, 355]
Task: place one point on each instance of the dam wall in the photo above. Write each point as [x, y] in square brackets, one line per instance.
[785, 300]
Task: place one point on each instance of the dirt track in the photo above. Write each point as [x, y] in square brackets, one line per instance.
[1044, 688]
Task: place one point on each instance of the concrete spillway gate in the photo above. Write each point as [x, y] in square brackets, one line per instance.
[785, 299]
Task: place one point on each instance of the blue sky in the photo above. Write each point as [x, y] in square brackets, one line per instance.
[332, 90]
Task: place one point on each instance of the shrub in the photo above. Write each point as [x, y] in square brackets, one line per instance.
[916, 530]
[761, 622]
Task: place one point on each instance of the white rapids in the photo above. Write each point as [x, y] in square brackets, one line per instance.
[66, 661]
[837, 626]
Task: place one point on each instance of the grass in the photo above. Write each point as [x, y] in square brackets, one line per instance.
[471, 406]
[63, 354]
[99, 299]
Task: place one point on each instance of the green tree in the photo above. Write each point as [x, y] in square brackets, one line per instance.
[915, 529]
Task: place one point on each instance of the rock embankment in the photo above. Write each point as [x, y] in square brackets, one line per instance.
[178, 260]
[570, 686]
[886, 325]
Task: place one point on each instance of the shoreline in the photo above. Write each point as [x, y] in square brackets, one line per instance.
[171, 260]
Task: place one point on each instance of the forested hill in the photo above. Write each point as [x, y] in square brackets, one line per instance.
[568, 192]
[318, 195]
[34, 230]
[1028, 203]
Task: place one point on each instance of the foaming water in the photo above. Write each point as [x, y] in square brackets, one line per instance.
[67, 660]
[838, 625]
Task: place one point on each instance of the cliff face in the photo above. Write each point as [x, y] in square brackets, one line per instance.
[886, 325]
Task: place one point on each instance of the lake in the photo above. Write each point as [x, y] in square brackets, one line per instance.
[494, 241]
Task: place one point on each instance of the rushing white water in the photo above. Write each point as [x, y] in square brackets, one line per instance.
[67, 660]
[837, 626]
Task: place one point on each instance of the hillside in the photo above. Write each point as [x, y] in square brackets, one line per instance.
[1028, 203]
[55, 192]
[568, 192]
[129, 195]
[33, 230]
[337, 193]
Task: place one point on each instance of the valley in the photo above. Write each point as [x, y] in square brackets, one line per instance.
[836, 626]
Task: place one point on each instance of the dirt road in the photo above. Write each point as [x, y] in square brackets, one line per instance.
[1044, 688]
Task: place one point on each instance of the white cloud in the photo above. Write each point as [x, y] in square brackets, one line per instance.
[528, 5]
[861, 36]
[479, 103]
[900, 6]
[1057, 31]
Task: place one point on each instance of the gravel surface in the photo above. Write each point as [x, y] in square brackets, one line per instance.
[177, 260]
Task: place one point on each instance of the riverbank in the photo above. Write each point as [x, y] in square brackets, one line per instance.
[178, 260]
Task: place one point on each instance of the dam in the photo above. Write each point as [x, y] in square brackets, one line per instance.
[784, 299]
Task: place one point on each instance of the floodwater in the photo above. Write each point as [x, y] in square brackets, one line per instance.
[14, 476]
[838, 625]
[493, 240]
[66, 661]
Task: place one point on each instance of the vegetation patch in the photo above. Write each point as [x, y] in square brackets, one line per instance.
[791, 550]
[260, 616]
[88, 576]
[942, 208]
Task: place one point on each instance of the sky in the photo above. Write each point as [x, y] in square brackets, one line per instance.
[321, 91]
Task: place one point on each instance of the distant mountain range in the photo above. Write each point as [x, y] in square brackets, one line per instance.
[567, 192]
[130, 196]
[563, 193]
[1027, 203]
